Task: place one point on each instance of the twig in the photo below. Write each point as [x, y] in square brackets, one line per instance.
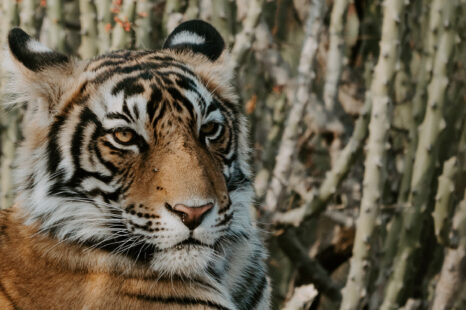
[287, 149]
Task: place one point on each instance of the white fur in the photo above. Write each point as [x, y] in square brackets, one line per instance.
[37, 47]
[187, 37]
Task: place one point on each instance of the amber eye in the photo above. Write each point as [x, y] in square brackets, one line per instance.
[123, 136]
[210, 129]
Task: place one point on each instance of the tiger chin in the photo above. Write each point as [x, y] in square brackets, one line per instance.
[133, 182]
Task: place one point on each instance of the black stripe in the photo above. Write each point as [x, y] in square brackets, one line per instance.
[120, 152]
[130, 85]
[54, 156]
[258, 292]
[154, 68]
[246, 302]
[154, 101]
[86, 116]
[126, 110]
[177, 96]
[160, 113]
[237, 179]
[225, 220]
[116, 115]
[177, 300]
[110, 166]
[107, 63]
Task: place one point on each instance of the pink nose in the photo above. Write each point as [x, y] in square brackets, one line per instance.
[192, 216]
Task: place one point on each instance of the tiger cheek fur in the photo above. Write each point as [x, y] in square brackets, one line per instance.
[133, 180]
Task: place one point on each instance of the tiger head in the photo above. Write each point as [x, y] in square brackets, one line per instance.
[139, 153]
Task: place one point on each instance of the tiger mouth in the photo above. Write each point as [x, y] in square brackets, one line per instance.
[188, 243]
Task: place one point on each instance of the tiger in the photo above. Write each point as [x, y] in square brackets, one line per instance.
[133, 181]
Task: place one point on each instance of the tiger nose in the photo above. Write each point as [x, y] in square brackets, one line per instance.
[192, 216]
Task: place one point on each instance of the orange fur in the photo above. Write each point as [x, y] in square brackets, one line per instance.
[37, 273]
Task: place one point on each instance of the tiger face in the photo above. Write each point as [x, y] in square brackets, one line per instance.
[140, 153]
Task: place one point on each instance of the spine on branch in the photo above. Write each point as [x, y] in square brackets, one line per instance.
[442, 208]
[426, 156]
[355, 291]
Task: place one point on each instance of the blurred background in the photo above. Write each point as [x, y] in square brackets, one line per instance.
[357, 112]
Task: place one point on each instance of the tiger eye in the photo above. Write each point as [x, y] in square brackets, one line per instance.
[209, 128]
[123, 136]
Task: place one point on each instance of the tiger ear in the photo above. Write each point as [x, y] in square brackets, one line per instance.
[196, 36]
[37, 73]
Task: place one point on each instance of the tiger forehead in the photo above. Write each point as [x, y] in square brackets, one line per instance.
[159, 67]
[158, 77]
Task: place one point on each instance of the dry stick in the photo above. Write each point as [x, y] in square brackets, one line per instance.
[453, 273]
[243, 40]
[426, 156]
[335, 54]
[123, 32]
[287, 149]
[355, 291]
[104, 25]
[89, 42]
[442, 210]
[311, 268]
[57, 35]
[9, 121]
